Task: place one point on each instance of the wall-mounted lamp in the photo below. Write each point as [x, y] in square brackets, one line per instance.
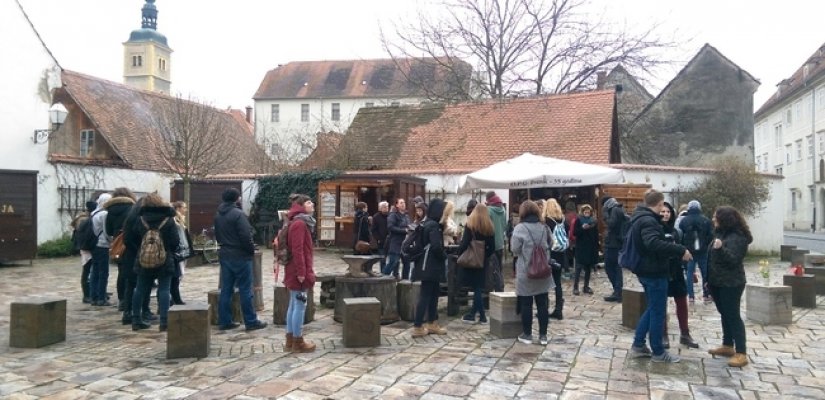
[57, 115]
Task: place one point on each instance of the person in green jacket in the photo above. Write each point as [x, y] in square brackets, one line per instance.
[495, 207]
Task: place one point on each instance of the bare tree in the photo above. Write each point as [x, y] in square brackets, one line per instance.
[544, 46]
[195, 140]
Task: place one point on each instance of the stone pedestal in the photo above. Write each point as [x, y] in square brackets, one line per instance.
[188, 334]
[281, 303]
[361, 266]
[785, 252]
[634, 304]
[362, 322]
[769, 305]
[237, 315]
[504, 322]
[803, 290]
[327, 282]
[37, 322]
[382, 288]
[798, 256]
[408, 293]
[819, 278]
[257, 282]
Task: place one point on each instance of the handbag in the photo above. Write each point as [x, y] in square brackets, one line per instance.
[473, 256]
[117, 248]
[361, 246]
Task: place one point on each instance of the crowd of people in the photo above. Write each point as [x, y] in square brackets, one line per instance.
[156, 244]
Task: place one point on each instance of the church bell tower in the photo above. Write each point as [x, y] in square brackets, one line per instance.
[146, 55]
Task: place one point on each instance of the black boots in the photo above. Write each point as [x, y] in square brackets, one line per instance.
[557, 314]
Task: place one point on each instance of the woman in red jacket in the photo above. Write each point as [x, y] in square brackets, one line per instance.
[298, 273]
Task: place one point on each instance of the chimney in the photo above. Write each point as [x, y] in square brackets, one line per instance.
[249, 114]
[809, 67]
[601, 79]
[783, 86]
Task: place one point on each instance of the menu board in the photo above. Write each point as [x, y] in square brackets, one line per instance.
[327, 216]
[347, 204]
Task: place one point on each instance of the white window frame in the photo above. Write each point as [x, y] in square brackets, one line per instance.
[788, 158]
[811, 149]
[798, 144]
[793, 200]
[789, 116]
[305, 113]
[274, 113]
[765, 161]
[335, 111]
[87, 142]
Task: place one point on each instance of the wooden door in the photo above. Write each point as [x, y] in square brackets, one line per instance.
[18, 215]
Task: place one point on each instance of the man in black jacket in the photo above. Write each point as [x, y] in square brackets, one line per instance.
[397, 224]
[697, 234]
[379, 231]
[234, 235]
[615, 218]
[653, 272]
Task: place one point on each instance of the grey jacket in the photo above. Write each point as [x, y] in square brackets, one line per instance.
[525, 236]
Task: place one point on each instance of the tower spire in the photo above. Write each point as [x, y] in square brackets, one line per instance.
[150, 15]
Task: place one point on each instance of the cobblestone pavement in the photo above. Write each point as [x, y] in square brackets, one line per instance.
[586, 357]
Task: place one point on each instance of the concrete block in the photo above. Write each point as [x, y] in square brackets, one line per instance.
[814, 259]
[188, 334]
[803, 289]
[819, 278]
[769, 305]
[505, 330]
[408, 293]
[785, 252]
[362, 322]
[798, 256]
[382, 288]
[503, 307]
[237, 315]
[281, 304]
[634, 304]
[37, 321]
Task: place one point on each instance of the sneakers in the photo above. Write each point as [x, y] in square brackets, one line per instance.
[688, 341]
[255, 326]
[724, 351]
[526, 339]
[543, 340]
[434, 329]
[588, 290]
[419, 331]
[232, 325]
[738, 360]
[640, 351]
[468, 319]
[665, 357]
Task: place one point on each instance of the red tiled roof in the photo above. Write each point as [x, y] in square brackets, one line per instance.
[357, 78]
[578, 127]
[798, 81]
[126, 118]
[240, 118]
[327, 144]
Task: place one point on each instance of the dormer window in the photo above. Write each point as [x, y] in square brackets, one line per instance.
[87, 142]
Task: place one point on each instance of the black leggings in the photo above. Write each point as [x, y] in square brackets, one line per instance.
[587, 269]
[526, 310]
[84, 278]
[727, 301]
[427, 303]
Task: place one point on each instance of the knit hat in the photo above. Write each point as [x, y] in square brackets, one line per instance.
[694, 205]
[90, 206]
[471, 205]
[418, 199]
[495, 200]
[605, 199]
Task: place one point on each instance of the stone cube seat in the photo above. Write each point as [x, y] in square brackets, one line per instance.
[188, 333]
[504, 322]
[362, 322]
[634, 304]
[37, 321]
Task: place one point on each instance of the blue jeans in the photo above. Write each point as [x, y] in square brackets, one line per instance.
[144, 289]
[295, 312]
[391, 268]
[100, 273]
[702, 260]
[236, 273]
[653, 319]
[614, 271]
[383, 261]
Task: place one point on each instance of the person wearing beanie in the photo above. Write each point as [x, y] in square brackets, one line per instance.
[471, 205]
[617, 222]
[697, 234]
[418, 200]
[495, 207]
[99, 279]
[234, 235]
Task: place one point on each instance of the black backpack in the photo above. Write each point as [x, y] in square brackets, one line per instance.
[413, 245]
[84, 236]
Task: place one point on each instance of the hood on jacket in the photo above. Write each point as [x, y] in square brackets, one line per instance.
[118, 200]
[154, 214]
[102, 199]
[496, 210]
[436, 209]
[642, 211]
[670, 225]
[495, 200]
[226, 207]
[610, 203]
[91, 206]
[295, 210]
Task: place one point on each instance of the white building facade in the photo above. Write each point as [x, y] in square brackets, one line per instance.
[789, 140]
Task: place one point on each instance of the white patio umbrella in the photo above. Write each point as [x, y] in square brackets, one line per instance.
[532, 171]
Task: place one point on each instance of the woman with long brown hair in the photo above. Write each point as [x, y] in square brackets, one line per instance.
[479, 227]
[726, 281]
[554, 219]
[528, 234]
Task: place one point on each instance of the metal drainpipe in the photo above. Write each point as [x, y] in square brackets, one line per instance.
[813, 157]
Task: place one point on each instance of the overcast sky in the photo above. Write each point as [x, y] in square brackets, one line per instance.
[222, 49]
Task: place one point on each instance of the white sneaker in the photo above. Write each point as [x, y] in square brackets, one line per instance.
[526, 339]
[665, 358]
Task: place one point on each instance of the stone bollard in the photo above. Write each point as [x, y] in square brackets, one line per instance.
[408, 293]
[819, 278]
[237, 314]
[504, 322]
[280, 304]
[188, 334]
[362, 322]
[814, 260]
[802, 288]
[769, 305]
[785, 252]
[37, 321]
[798, 256]
[257, 282]
[634, 304]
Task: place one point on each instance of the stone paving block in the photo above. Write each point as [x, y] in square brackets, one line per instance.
[769, 305]
[408, 293]
[803, 289]
[237, 314]
[37, 321]
[188, 332]
[785, 252]
[798, 256]
[280, 303]
[634, 304]
[362, 322]
[819, 278]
